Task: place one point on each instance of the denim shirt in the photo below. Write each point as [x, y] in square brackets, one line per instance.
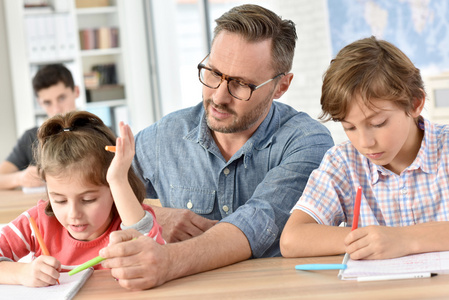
[180, 163]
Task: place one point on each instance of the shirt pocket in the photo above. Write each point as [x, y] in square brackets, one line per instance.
[198, 200]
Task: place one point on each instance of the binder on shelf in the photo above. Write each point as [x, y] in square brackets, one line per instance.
[50, 37]
[32, 38]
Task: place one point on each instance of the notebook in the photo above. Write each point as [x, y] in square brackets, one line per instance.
[34, 190]
[434, 262]
[67, 289]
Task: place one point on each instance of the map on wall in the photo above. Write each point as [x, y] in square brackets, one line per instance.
[420, 28]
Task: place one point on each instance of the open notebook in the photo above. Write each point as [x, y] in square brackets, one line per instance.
[67, 289]
[434, 262]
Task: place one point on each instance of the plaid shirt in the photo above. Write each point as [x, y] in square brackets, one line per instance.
[419, 194]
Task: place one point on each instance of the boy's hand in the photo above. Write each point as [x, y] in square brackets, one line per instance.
[377, 242]
[30, 177]
[43, 271]
[124, 154]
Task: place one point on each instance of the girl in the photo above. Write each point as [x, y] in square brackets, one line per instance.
[91, 193]
[400, 160]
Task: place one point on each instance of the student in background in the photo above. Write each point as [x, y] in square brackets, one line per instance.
[91, 192]
[400, 160]
[56, 94]
[238, 158]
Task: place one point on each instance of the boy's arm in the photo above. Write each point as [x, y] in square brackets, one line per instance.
[303, 237]
[381, 242]
[11, 177]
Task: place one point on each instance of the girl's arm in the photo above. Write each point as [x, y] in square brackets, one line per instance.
[128, 206]
[303, 237]
[43, 271]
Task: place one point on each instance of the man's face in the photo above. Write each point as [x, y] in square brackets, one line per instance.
[58, 99]
[250, 63]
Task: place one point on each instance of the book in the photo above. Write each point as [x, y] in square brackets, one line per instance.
[433, 262]
[34, 190]
[67, 289]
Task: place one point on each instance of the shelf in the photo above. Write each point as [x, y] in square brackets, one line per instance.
[110, 103]
[100, 52]
[96, 10]
[55, 61]
[43, 10]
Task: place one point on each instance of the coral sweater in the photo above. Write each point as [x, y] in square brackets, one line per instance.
[17, 238]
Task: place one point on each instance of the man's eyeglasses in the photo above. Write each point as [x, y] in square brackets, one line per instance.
[237, 88]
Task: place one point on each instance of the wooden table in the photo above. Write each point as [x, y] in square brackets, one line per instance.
[270, 278]
[15, 202]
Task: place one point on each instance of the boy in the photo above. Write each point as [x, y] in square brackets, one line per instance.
[56, 94]
[398, 158]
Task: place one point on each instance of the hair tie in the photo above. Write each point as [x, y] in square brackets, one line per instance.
[68, 129]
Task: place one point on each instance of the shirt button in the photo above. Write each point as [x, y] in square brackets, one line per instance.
[225, 208]
[226, 171]
[404, 191]
[189, 205]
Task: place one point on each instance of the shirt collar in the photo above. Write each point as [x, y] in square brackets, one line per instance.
[425, 160]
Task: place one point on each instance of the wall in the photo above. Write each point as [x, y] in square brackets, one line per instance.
[312, 57]
[7, 120]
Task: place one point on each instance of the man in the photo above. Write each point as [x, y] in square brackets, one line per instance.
[239, 157]
[56, 94]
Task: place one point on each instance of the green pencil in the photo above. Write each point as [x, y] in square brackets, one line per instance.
[87, 264]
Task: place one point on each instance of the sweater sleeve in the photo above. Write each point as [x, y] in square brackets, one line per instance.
[148, 225]
[16, 240]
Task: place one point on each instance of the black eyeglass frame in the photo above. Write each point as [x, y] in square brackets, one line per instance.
[252, 87]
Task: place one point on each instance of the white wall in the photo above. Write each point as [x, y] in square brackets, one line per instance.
[312, 57]
[7, 120]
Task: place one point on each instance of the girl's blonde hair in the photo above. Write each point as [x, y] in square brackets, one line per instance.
[76, 142]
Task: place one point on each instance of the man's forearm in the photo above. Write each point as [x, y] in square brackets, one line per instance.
[222, 245]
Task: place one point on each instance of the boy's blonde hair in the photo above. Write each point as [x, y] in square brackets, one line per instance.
[75, 142]
[371, 69]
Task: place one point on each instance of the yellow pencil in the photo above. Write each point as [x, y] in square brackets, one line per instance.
[40, 240]
[110, 148]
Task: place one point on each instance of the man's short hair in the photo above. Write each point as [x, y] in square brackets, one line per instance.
[255, 23]
[50, 75]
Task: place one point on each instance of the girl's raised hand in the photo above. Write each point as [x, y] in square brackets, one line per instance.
[124, 154]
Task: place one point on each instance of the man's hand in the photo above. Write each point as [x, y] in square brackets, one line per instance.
[377, 242]
[181, 224]
[30, 177]
[137, 263]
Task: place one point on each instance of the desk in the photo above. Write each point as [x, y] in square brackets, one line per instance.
[270, 278]
[15, 202]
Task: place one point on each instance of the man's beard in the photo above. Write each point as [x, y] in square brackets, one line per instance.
[238, 124]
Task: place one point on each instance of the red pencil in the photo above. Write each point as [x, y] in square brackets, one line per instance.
[358, 199]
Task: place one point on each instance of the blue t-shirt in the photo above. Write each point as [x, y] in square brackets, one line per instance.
[180, 164]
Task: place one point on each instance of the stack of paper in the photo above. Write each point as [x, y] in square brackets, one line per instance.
[433, 262]
[67, 289]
